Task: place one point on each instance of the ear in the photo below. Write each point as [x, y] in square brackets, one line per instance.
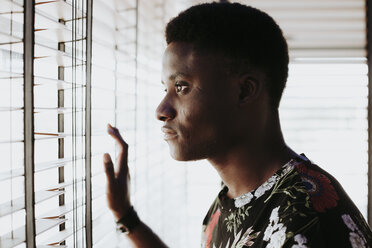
[249, 88]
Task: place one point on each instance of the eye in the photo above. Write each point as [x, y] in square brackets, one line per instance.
[181, 87]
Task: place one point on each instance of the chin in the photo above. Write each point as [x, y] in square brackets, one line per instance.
[182, 155]
[178, 156]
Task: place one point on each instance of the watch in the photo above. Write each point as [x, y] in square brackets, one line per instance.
[128, 222]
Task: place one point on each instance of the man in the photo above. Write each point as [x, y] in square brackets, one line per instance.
[224, 71]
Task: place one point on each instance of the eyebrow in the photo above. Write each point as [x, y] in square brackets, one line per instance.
[175, 75]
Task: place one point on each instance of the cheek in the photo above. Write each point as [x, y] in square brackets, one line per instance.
[198, 121]
[187, 118]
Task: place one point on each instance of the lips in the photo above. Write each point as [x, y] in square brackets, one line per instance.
[169, 133]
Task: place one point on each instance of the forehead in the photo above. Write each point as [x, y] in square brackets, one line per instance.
[181, 58]
[178, 58]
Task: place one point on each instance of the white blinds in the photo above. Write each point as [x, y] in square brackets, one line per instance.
[113, 97]
[127, 49]
[59, 99]
[12, 204]
[58, 93]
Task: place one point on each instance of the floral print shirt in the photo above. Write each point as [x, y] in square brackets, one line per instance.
[300, 206]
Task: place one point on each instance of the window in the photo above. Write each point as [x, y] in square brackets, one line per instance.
[12, 205]
[59, 119]
[99, 62]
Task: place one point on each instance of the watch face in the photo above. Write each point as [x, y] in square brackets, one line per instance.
[123, 229]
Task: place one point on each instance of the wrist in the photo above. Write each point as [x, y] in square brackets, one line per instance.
[122, 211]
[128, 221]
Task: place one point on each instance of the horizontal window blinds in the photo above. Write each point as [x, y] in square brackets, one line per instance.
[114, 47]
[325, 29]
[128, 42]
[59, 100]
[12, 201]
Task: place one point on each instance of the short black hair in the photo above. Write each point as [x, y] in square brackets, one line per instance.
[244, 34]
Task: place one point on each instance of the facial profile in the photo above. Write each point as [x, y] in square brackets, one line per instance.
[199, 104]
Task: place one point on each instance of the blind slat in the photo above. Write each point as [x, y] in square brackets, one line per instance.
[18, 203]
[18, 235]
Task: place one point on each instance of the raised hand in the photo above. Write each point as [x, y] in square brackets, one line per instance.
[118, 181]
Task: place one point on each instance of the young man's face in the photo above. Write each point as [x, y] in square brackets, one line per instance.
[199, 108]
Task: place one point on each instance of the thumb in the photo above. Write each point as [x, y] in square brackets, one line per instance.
[109, 169]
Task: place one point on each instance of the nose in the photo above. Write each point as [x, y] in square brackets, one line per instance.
[165, 111]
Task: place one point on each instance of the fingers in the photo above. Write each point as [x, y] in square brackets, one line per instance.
[114, 132]
[109, 169]
[123, 163]
[123, 154]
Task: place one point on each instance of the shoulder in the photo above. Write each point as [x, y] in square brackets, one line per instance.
[313, 207]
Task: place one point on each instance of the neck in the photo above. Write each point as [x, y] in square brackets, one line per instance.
[245, 166]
